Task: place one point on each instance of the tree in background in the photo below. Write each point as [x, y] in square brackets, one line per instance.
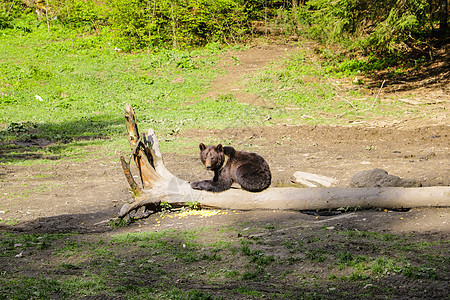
[387, 26]
[373, 26]
[443, 16]
[296, 3]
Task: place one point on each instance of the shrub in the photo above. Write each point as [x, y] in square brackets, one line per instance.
[388, 26]
[176, 23]
[15, 16]
[138, 24]
[78, 13]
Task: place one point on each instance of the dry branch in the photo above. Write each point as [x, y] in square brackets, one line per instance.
[159, 185]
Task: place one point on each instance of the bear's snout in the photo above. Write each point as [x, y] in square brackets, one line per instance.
[208, 163]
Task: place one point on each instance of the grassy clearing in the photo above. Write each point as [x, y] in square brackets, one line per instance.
[304, 89]
[61, 92]
[170, 264]
[65, 92]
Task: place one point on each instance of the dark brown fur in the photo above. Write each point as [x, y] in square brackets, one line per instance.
[249, 170]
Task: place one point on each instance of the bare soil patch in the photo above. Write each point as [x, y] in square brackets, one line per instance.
[73, 194]
[239, 64]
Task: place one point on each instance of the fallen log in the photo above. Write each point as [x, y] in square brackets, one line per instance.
[313, 180]
[159, 185]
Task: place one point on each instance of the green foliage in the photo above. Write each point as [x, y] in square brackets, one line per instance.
[78, 13]
[388, 26]
[420, 272]
[178, 23]
[17, 16]
[193, 205]
[385, 266]
[372, 26]
[5, 20]
[137, 24]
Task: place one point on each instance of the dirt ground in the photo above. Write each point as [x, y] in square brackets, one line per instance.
[83, 196]
[71, 196]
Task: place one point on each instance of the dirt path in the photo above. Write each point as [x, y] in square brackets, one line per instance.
[240, 64]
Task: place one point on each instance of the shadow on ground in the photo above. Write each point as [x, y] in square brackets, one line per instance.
[434, 73]
[95, 222]
[31, 141]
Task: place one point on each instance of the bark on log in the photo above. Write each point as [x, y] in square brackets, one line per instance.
[159, 185]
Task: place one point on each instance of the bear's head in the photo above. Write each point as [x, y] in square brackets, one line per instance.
[212, 156]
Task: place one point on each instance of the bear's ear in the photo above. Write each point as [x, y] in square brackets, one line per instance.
[219, 148]
[202, 146]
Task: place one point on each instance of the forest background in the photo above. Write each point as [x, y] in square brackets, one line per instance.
[372, 27]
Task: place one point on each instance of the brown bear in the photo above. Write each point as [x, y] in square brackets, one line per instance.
[250, 170]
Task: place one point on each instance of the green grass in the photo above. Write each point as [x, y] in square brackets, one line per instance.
[11, 243]
[136, 265]
[62, 86]
[69, 91]
[63, 91]
[305, 90]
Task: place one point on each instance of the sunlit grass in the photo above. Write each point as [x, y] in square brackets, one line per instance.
[62, 92]
[302, 90]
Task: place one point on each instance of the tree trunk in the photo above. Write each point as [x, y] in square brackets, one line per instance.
[159, 185]
[443, 16]
[297, 3]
